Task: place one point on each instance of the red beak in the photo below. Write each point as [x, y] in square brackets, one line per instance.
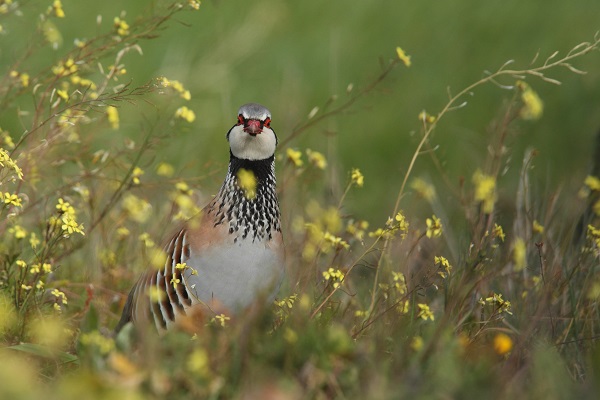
[253, 127]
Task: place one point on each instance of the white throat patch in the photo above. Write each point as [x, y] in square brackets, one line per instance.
[248, 147]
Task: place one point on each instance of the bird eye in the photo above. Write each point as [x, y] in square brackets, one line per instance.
[268, 122]
[240, 119]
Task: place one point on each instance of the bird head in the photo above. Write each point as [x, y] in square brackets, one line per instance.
[252, 138]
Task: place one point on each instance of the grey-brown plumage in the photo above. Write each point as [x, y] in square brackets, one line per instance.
[235, 254]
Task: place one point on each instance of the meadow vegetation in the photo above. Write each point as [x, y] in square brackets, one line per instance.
[478, 286]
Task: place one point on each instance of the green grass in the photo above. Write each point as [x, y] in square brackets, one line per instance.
[368, 308]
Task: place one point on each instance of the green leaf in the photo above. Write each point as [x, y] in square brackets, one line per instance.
[45, 352]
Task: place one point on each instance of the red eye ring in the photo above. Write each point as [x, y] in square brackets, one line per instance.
[267, 122]
[240, 119]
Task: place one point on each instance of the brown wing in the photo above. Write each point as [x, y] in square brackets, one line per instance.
[159, 296]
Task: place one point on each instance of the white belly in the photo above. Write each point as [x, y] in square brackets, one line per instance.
[235, 277]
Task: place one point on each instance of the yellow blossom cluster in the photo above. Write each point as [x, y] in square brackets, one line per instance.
[393, 226]
[503, 344]
[22, 77]
[121, 26]
[194, 4]
[402, 56]
[67, 219]
[357, 228]
[485, 191]
[334, 275]
[138, 209]
[247, 181]
[334, 241]
[502, 306]
[103, 343]
[136, 174]
[65, 68]
[317, 159]
[519, 254]
[295, 157]
[56, 9]
[165, 169]
[9, 199]
[18, 232]
[444, 265]
[424, 189]
[60, 299]
[7, 162]
[175, 85]
[593, 235]
[357, 178]
[399, 282]
[287, 302]
[592, 184]
[220, 319]
[425, 117]
[112, 115]
[185, 114]
[533, 107]
[434, 227]
[425, 312]
[186, 205]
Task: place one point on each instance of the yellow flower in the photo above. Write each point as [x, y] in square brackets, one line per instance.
[357, 178]
[135, 175]
[57, 9]
[122, 232]
[185, 114]
[70, 225]
[146, 240]
[317, 159]
[537, 227]
[416, 343]
[403, 56]
[295, 156]
[499, 232]
[198, 362]
[442, 262]
[138, 209]
[104, 344]
[221, 318]
[195, 4]
[6, 161]
[425, 312]
[423, 189]
[33, 240]
[65, 68]
[121, 26]
[165, 169]
[485, 190]
[175, 281]
[12, 199]
[592, 182]
[247, 182]
[18, 231]
[112, 114]
[399, 282]
[425, 117]
[60, 296]
[533, 107]
[498, 302]
[519, 254]
[434, 227]
[335, 275]
[503, 344]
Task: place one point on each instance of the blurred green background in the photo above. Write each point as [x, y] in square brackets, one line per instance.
[293, 55]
